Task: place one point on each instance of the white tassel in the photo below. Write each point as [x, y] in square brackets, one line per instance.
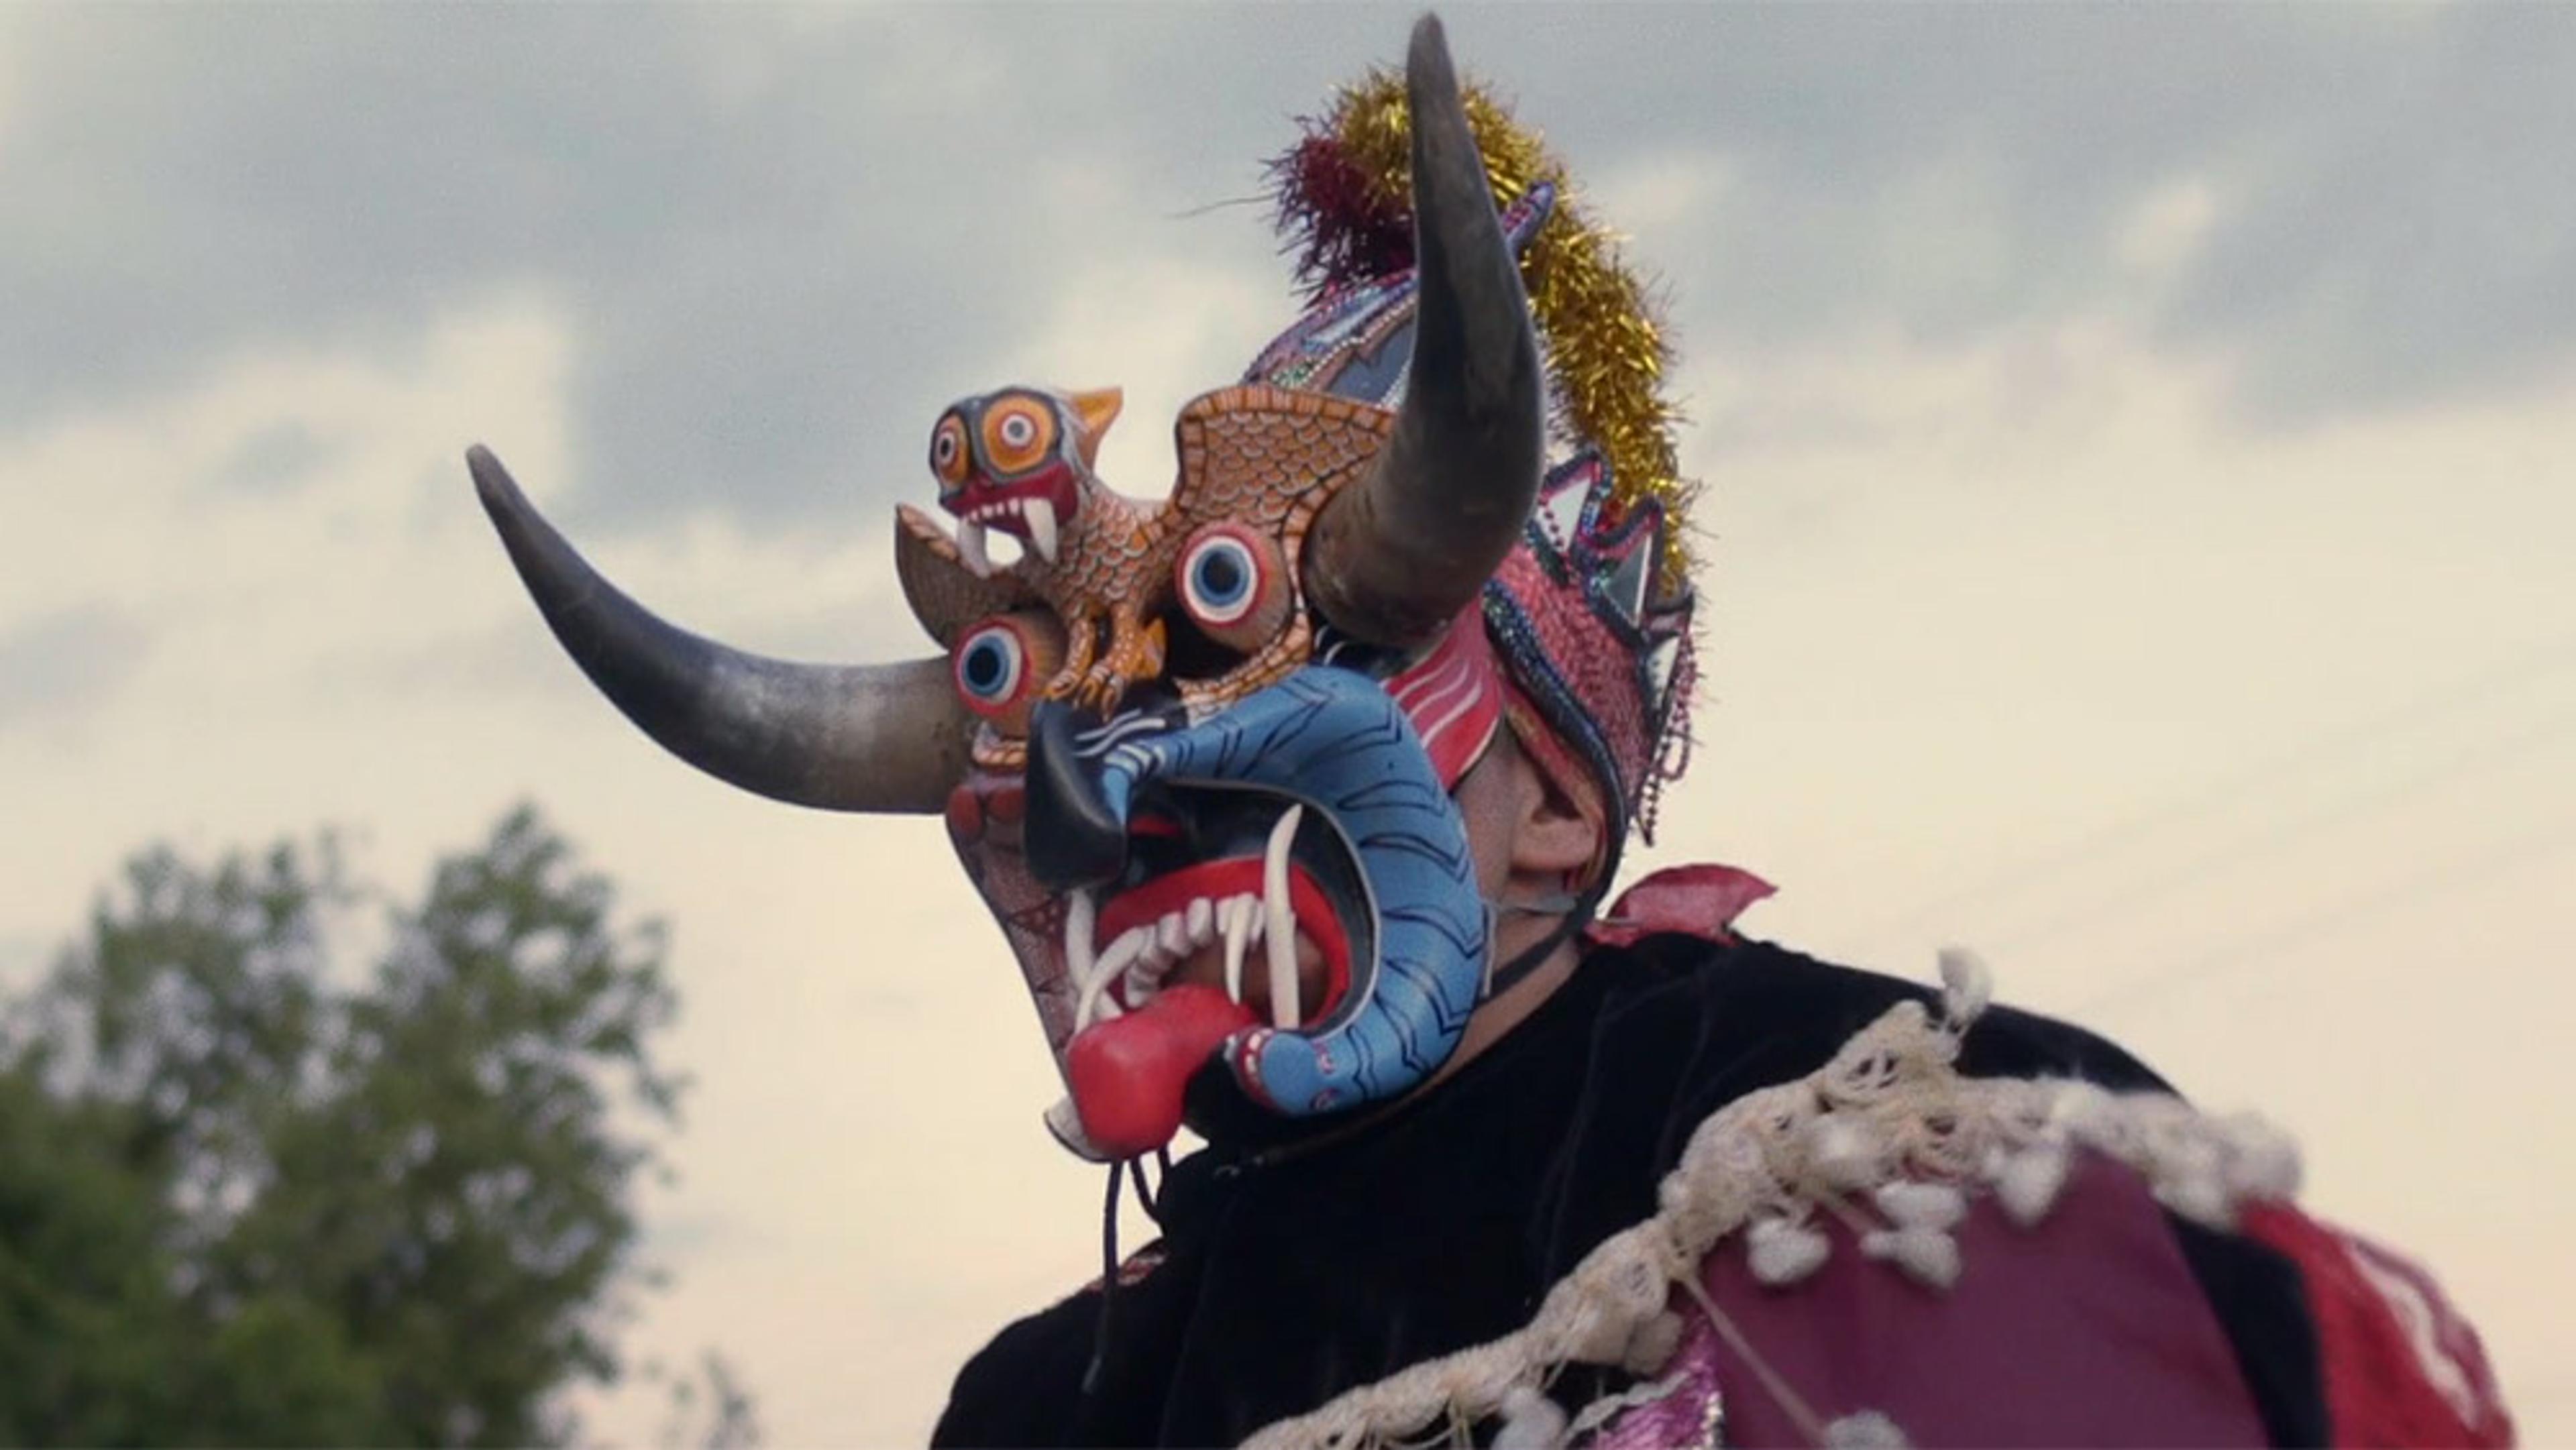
[2264, 1161]
[2200, 1197]
[1531, 1421]
[1966, 987]
[1927, 1256]
[1921, 1205]
[2189, 1175]
[2081, 1109]
[1781, 1253]
[2027, 1183]
[1866, 1430]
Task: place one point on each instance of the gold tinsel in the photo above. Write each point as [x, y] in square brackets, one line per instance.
[1605, 344]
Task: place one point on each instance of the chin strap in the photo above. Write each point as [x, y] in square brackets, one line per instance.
[1572, 912]
[1108, 1277]
[1110, 1264]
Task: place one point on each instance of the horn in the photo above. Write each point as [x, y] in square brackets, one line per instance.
[886, 738]
[1396, 557]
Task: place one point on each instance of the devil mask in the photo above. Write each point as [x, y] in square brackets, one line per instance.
[1195, 753]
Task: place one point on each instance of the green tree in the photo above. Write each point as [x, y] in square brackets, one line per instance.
[248, 1196]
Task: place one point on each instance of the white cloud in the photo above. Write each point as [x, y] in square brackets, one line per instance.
[1655, 195]
[2168, 225]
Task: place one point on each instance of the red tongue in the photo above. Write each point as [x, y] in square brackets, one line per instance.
[1127, 1073]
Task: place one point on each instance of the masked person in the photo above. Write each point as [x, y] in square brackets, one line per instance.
[1299, 796]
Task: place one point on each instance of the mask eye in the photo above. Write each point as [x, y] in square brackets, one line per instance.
[948, 460]
[1234, 584]
[1003, 664]
[1019, 432]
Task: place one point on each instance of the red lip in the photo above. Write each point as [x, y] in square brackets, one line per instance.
[1053, 482]
[1237, 876]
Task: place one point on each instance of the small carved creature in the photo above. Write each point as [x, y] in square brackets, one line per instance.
[1020, 460]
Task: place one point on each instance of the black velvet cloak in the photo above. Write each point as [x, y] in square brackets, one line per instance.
[1289, 1276]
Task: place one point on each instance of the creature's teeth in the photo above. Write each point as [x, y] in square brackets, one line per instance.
[970, 549]
[1237, 914]
[1153, 959]
[1255, 916]
[1202, 922]
[1283, 928]
[1095, 989]
[1041, 520]
[1081, 914]
[1172, 935]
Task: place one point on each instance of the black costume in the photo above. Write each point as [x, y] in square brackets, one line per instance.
[1284, 1278]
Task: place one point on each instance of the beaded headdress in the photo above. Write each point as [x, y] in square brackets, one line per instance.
[1590, 617]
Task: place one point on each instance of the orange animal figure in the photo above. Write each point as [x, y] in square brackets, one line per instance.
[1020, 460]
[1107, 589]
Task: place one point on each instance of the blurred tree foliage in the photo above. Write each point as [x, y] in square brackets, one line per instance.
[253, 1195]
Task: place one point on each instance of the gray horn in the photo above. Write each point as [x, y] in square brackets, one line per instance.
[1396, 556]
[889, 738]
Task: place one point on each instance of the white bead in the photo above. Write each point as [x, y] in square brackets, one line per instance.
[1927, 1256]
[2027, 1183]
[1781, 1253]
[1921, 1205]
[1865, 1430]
[1531, 1421]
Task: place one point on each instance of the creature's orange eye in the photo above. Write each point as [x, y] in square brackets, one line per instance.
[1004, 663]
[1019, 432]
[1234, 584]
[948, 460]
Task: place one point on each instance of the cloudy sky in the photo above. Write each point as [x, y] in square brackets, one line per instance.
[2138, 535]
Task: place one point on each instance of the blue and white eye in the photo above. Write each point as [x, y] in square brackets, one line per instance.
[1218, 580]
[1234, 584]
[991, 666]
[1002, 665]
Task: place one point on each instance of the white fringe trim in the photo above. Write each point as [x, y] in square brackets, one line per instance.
[1888, 1124]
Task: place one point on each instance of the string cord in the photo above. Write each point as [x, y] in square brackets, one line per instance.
[1091, 1373]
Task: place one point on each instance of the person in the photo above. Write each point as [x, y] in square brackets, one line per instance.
[1300, 797]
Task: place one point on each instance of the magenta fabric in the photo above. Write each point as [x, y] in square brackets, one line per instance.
[1701, 901]
[2087, 1329]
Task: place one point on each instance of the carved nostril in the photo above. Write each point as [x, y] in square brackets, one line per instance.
[1073, 838]
[965, 816]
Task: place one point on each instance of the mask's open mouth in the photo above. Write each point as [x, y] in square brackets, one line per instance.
[1241, 890]
[1307, 820]
[1236, 907]
[1031, 510]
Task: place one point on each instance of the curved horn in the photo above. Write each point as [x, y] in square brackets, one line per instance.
[1397, 556]
[888, 738]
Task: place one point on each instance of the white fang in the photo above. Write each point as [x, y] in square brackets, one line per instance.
[1041, 522]
[970, 549]
[1283, 925]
